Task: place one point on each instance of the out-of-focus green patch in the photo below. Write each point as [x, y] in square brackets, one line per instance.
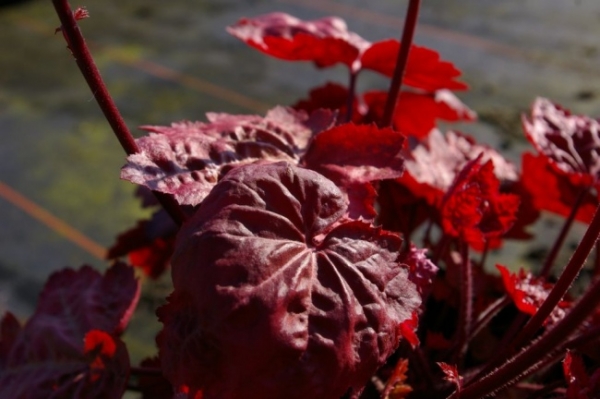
[79, 180]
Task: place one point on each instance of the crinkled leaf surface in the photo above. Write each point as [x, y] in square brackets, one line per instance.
[188, 158]
[424, 68]
[48, 356]
[276, 295]
[474, 209]
[571, 142]
[432, 165]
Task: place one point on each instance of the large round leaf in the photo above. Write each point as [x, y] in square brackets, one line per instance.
[276, 297]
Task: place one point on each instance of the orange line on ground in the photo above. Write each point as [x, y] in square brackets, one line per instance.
[165, 73]
[397, 23]
[194, 83]
[53, 222]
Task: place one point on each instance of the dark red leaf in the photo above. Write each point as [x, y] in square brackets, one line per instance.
[354, 155]
[424, 69]
[570, 142]
[187, 159]
[148, 245]
[416, 113]
[68, 348]
[528, 293]
[331, 96]
[276, 295]
[558, 194]
[324, 41]
[579, 383]
[473, 208]
[154, 385]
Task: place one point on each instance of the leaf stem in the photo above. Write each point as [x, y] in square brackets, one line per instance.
[562, 285]
[465, 312]
[515, 367]
[351, 95]
[563, 234]
[91, 74]
[410, 23]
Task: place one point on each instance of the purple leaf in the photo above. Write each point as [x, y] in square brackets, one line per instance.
[277, 296]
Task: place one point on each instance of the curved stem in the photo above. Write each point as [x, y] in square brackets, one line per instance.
[91, 74]
[550, 342]
[563, 234]
[410, 23]
[562, 285]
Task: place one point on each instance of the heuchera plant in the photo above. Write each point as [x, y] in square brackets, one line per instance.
[331, 249]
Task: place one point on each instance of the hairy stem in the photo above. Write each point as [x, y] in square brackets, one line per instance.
[90, 72]
[562, 285]
[563, 234]
[465, 312]
[410, 23]
[514, 368]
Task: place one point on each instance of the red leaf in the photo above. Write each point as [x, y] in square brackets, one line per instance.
[433, 164]
[570, 142]
[528, 293]
[68, 347]
[451, 374]
[395, 388]
[148, 245]
[474, 210]
[276, 296]
[559, 193]
[579, 383]
[187, 159]
[416, 113]
[424, 69]
[327, 42]
[330, 96]
[408, 330]
[354, 155]
[324, 41]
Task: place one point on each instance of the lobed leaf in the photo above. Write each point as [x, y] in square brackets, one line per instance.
[276, 296]
[529, 292]
[424, 68]
[570, 142]
[69, 347]
[187, 159]
[474, 209]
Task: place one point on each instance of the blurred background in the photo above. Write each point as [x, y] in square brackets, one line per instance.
[61, 200]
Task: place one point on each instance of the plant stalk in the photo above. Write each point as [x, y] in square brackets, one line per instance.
[91, 74]
[515, 367]
[563, 234]
[410, 23]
